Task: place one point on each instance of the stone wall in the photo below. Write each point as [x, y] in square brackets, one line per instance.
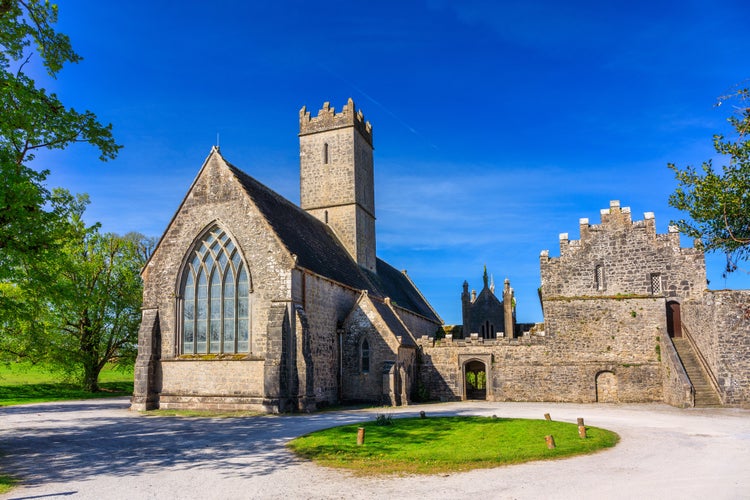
[719, 326]
[359, 384]
[416, 324]
[623, 257]
[585, 338]
[336, 177]
[677, 389]
[528, 371]
[216, 198]
[325, 304]
[191, 380]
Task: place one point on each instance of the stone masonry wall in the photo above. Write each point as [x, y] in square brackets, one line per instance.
[416, 324]
[719, 325]
[216, 198]
[365, 323]
[586, 337]
[336, 177]
[629, 253]
[677, 389]
[326, 305]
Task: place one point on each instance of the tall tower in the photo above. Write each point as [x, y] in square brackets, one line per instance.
[336, 176]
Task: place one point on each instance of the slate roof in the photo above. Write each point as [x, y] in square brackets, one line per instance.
[318, 249]
[394, 324]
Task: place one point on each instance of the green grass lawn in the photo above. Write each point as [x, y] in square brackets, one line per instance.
[25, 383]
[446, 444]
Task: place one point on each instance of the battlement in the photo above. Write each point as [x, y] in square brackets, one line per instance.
[328, 119]
[615, 218]
[622, 256]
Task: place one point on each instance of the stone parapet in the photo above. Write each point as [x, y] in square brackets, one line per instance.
[328, 119]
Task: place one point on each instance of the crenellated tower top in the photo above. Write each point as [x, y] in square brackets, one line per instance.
[328, 119]
[622, 256]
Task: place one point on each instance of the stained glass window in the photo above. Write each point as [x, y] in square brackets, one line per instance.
[215, 298]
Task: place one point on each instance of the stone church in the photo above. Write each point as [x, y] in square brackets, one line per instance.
[251, 302]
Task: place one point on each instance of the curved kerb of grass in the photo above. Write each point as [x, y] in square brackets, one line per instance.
[446, 444]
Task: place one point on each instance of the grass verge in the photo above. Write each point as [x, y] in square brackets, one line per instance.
[446, 444]
[6, 483]
[22, 383]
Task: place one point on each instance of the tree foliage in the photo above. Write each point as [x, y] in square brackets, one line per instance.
[31, 216]
[94, 316]
[718, 200]
[68, 293]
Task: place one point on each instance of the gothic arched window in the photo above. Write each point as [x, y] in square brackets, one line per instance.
[216, 298]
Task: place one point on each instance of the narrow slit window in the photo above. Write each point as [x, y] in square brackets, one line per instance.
[599, 277]
[365, 356]
[325, 153]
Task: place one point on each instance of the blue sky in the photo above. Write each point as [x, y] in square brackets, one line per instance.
[497, 125]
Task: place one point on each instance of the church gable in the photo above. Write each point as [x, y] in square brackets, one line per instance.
[374, 342]
[215, 269]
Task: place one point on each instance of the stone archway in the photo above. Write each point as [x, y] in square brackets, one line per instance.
[475, 380]
[606, 387]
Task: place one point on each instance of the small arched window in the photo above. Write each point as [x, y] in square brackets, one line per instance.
[365, 356]
[215, 298]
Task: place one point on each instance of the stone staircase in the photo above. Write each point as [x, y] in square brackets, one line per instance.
[705, 395]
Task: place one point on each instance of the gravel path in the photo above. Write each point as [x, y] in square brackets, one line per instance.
[98, 449]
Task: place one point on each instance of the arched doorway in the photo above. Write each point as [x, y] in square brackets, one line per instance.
[606, 387]
[674, 324]
[475, 380]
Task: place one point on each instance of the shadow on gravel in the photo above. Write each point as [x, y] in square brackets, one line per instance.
[66, 406]
[51, 446]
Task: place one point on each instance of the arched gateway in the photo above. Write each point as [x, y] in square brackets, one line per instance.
[475, 380]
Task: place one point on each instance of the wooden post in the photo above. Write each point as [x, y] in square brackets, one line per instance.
[580, 420]
[547, 417]
[582, 431]
[360, 436]
[550, 442]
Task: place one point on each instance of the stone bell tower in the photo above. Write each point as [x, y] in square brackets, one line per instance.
[336, 176]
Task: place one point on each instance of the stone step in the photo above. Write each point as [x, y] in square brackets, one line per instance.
[705, 395]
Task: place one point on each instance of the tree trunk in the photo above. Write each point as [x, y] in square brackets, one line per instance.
[91, 375]
[90, 353]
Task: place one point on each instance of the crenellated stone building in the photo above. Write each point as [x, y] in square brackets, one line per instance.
[251, 302]
[627, 318]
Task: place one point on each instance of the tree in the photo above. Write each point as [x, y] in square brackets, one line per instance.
[34, 220]
[94, 310]
[31, 216]
[718, 201]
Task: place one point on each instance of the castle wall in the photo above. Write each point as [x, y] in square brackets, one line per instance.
[676, 386]
[581, 342]
[628, 254]
[719, 325]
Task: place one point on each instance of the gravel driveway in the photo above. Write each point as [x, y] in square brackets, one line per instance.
[98, 449]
